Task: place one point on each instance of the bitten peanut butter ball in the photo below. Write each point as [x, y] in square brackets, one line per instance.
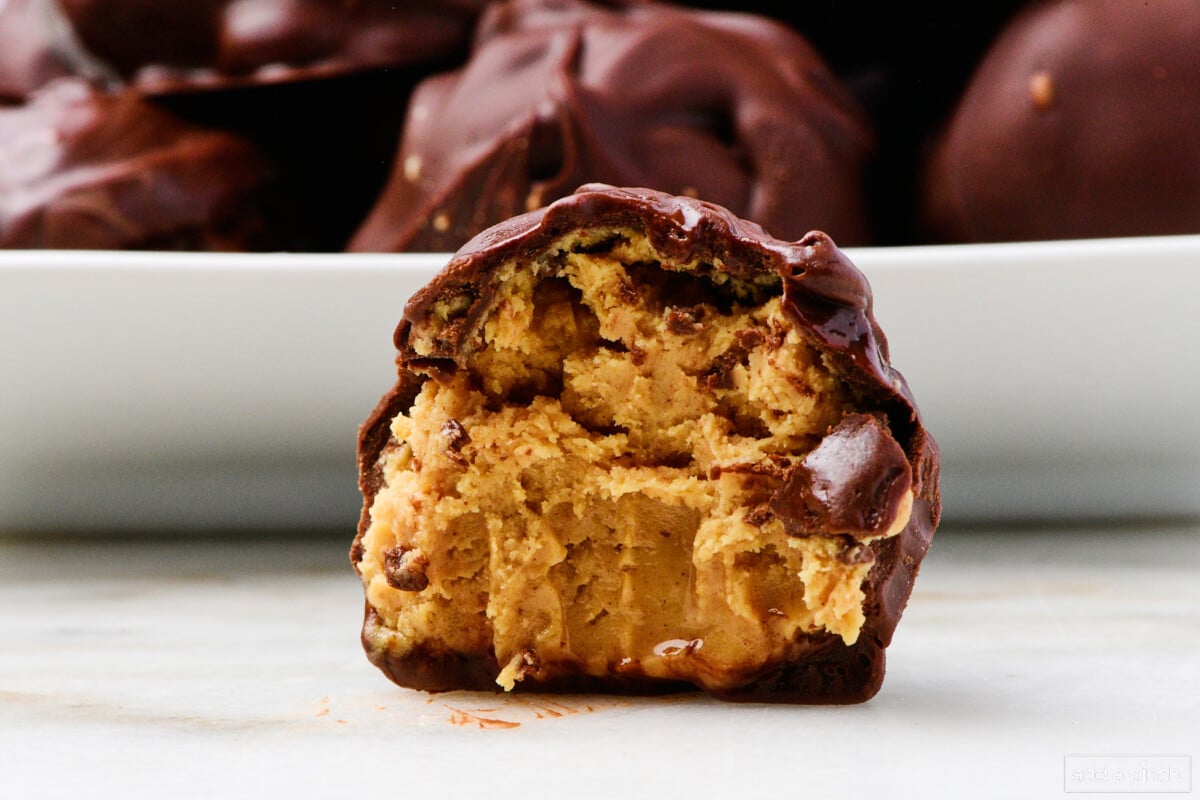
[733, 108]
[636, 444]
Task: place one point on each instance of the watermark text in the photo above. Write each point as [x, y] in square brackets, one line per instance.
[1127, 773]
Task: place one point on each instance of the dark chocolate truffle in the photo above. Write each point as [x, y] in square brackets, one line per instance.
[730, 107]
[636, 444]
[80, 168]
[1082, 121]
[175, 45]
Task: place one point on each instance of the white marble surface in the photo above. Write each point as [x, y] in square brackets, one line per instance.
[232, 668]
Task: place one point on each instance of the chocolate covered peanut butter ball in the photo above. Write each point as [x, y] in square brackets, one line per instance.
[1082, 121]
[86, 169]
[637, 444]
[730, 107]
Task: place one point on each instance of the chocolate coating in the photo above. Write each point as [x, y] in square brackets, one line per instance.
[165, 46]
[854, 481]
[829, 302]
[557, 93]
[1082, 121]
[85, 169]
[318, 87]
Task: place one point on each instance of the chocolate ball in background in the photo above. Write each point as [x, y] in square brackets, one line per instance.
[1082, 121]
[165, 46]
[81, 168]
[907, 64]
[736, 109]
[319, 86]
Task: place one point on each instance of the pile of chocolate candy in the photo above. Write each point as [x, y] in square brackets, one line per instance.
[323, 125]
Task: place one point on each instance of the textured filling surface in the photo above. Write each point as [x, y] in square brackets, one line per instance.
[591, 493]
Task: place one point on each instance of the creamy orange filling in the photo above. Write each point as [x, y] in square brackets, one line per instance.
[591, 492]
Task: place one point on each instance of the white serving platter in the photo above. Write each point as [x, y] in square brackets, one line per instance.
[164, 391]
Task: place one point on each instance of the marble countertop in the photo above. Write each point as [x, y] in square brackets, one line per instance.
[231, 667]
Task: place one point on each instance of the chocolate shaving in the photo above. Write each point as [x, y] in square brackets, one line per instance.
[404, 568]
[685, 321]
[759, 515]
[456, 437]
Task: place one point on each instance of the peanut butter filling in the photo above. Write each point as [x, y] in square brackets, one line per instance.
[591, 493]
